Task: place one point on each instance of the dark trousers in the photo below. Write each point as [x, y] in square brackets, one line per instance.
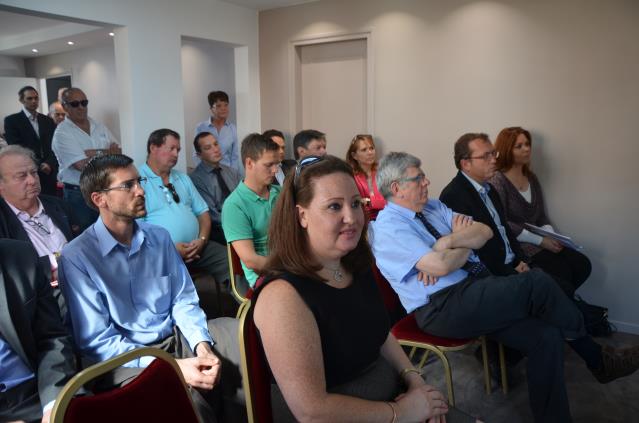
[569, 267]
[214, 260]
[527, 312]
[225, 401]
[84, 215]
[21, 402]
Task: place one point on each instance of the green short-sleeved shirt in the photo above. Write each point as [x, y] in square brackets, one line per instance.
[245, 215]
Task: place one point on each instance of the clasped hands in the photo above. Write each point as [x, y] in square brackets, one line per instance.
[202, 371]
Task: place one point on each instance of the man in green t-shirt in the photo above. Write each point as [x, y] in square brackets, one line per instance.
[247, 210]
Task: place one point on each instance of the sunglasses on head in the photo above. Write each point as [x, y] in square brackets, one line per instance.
[303, 163]
[77, 103]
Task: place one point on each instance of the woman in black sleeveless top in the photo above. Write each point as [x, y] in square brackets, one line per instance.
[322, 322]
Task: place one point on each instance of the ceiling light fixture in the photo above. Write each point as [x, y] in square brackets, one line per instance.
[70, 43]
[111, 34]
[35, 50]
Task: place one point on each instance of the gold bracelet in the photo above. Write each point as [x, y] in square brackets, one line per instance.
[390, 404]
[409, 370]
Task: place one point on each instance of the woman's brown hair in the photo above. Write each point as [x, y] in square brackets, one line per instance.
[504, 145]
[288, 242]
[353, 148]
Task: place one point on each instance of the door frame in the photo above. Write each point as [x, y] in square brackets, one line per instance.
[295, 81]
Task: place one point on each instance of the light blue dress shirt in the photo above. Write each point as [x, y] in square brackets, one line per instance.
[482, 190]
[227, 139]
[121, 298]
[399, 240]
[13, 371]
[180, 219]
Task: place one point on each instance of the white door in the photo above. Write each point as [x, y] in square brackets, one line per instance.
[333, 85]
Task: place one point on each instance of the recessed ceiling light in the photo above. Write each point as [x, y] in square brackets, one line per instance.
[111, 34]
[35, 50]
[70, 43]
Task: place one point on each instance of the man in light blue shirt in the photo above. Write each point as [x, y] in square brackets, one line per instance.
[127, 286]
[36, 359]
[425, 252]
[173, 202]
[223, 130]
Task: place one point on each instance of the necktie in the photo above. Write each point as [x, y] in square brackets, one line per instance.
[473, 268]
[220, 181]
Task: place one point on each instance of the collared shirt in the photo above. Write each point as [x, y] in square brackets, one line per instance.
[482, 190]
[13, 371]
[70, 142]
[399, 240]
[33, 120]
[207, 185]
[227, 139]
[279, 176]
[123, 297]
[246, 215]
[180, 219]
[44, 244]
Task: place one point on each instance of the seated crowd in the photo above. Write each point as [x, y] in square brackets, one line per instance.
[107, 268]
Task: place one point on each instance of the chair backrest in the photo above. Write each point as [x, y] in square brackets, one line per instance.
[239, 285]
[158, 393]
[257, 378]
[391, 300]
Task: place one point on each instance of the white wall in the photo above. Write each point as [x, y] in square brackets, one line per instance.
[11, 66]
[9, 104]
[93, 71]
[206, 66]
[567, 70]
[147, 57]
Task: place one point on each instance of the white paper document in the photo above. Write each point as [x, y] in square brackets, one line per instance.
[562, 239]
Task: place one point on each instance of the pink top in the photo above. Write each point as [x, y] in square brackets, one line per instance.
[377, 201]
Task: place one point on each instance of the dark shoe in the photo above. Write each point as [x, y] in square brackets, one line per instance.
[617, 363]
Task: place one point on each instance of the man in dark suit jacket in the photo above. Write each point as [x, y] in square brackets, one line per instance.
[37, 358]
[41, 220]
[34, 131]
[469, 193]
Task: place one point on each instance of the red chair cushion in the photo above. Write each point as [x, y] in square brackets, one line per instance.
[259, 375]
[156, 395]
[407, 329]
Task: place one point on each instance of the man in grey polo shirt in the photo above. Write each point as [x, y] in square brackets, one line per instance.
[213, 180]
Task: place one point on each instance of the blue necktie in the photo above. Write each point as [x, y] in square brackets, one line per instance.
[472, 267]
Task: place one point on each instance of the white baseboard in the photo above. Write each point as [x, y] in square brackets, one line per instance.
[626, 327]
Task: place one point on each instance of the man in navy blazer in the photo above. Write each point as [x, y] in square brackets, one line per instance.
[469, 193]
[37, 357]
[34, 131]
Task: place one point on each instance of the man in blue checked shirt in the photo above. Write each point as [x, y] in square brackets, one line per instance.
[127, 287]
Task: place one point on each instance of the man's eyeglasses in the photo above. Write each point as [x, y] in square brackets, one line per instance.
[126, 185]
[39, 227]
[305, 162]
[486, 157]
[173, 192]
[77, 103]
[417, 178]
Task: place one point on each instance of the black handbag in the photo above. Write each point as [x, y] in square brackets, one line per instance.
[595, 318]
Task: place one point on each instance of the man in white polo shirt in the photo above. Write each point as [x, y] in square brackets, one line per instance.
[76, 140]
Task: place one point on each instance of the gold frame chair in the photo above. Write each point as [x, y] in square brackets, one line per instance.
[234, 260]
[90, 373]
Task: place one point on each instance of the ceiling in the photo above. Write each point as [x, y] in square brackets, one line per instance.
[20, 33]
[267, 4]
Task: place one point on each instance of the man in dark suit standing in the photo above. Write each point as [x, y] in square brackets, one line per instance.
[34, 131]
[36, 358]
[41, 220]
[470, 193]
